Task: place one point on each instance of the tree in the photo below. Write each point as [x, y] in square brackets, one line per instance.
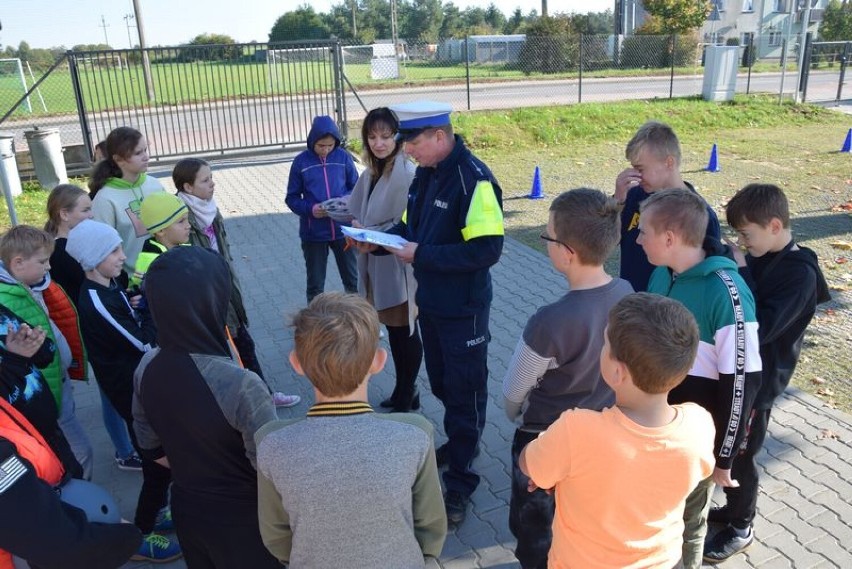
[675, 16]
[515, 22]
[837, 21]
[552, 45]
[302, 24]
[453, 25]
[219, 52]
[594, 23]
[495, 18]
[420, 20]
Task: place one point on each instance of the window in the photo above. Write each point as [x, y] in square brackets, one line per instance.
[780, 6]
[748, 5]
[774, 39]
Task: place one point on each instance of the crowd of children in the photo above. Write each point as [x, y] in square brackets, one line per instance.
[630, 406]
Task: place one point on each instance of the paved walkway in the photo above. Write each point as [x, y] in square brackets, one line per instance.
[806, 503]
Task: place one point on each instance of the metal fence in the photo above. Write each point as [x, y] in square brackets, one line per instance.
[226, 98]
[188, 99]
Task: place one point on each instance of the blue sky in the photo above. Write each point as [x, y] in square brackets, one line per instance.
[47, 23]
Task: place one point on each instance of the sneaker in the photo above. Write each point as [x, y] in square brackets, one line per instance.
[132, 462]
[282, 400]
[164, 522]
[726, 543]
[157, 549]
[719, 515]
[456, 505]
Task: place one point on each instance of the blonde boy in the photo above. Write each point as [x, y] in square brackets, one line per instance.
[622, 475]
[654, 155]
[726, 374]
[345, 486]
[27, 290]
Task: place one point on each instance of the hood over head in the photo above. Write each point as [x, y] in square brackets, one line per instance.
[188, 290]
[323, 126]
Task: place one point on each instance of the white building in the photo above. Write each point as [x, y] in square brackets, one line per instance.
[771, 21]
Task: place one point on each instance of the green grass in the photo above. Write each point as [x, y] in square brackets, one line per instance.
[794, 146]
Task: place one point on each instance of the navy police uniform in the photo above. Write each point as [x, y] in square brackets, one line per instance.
[455, 216]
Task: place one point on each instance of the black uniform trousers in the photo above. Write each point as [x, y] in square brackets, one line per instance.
[456, 352]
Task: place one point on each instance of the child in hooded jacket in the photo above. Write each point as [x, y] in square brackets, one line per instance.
[324, 171]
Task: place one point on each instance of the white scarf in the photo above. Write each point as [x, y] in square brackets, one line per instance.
[205, 212]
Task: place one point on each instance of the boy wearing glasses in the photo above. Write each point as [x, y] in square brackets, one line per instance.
[556, 364]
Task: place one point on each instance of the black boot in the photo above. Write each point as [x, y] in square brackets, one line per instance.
[413, 404]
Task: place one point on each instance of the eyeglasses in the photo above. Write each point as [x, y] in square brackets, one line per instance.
[546, 237]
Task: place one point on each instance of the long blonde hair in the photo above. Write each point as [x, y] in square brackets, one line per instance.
[63, 196]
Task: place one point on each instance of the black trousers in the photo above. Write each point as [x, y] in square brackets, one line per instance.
[742, 501]
[227, 541]
[530, 513]
[456, 355]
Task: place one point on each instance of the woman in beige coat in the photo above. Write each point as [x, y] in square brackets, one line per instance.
[377, 202]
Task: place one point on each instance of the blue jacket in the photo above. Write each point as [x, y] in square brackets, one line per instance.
[455, 216]
[635, 267]
[314, 180]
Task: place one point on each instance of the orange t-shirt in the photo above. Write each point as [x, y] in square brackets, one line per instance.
[620, 487]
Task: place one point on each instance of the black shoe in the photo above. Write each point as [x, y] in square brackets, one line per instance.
[725, 544]
[414, 405]
[456, 505]
[388, 403]
[719, 515]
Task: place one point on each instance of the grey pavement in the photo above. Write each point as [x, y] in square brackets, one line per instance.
[805, 506]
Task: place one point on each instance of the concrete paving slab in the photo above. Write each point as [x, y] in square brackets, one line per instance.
[805, 517]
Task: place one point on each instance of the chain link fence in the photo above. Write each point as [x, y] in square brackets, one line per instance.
[510, 71]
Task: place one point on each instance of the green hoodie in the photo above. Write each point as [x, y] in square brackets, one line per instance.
[715, 381]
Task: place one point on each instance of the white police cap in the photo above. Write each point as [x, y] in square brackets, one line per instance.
[417, 116]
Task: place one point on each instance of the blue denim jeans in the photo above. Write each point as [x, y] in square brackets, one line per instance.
[316, 261]
[74, 432]
[116, 428]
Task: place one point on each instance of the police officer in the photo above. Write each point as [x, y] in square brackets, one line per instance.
[454, 225]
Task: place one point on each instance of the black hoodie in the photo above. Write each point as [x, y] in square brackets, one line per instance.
[787, 291]
[191, 402]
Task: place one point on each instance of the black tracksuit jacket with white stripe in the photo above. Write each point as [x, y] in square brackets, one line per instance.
[116, 337]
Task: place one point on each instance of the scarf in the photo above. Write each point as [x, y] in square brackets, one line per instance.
[205, 212]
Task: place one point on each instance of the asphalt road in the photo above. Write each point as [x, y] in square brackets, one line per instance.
[277, 122]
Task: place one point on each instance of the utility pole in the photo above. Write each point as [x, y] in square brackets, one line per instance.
[394, 31]
[354, 26]
[127, 19]
[544, 8]
[104, 25]
[146, 63]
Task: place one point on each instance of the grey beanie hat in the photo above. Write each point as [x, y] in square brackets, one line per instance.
[90, 242]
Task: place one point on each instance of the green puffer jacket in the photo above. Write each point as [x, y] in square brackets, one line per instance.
[19, 300]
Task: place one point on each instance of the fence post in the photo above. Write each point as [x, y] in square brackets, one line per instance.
[671, 76]
[467, 69]
[340, 102]
[580, 85]
[844, 61]
[804, 72]
[749, 51]
[78, 98]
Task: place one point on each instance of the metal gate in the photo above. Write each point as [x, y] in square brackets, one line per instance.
[829, 58]
[209, 99]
